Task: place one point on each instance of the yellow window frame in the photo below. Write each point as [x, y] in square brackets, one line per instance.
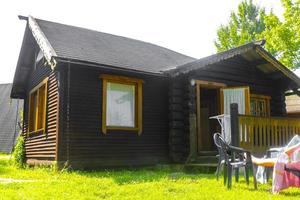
[36, 116]
[266, 99]
[138, 99]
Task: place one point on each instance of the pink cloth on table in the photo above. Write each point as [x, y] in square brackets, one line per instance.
[283, 178]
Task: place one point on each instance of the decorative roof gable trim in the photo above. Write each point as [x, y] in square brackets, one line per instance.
[42, 41]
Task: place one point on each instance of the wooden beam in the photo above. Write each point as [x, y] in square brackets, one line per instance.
[209, 84]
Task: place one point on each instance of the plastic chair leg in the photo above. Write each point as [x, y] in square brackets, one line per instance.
[247, 174]
[229, 172]
[254, 176]
[225, 174]
[237, 174]
[218, 170]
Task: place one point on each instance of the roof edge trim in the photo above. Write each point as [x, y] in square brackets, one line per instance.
[212, 59]
[42, 41]
[277, 64]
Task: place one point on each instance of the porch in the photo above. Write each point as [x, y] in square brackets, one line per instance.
[254, 133]
[248, 76]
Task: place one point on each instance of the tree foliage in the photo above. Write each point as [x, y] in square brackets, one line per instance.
[251, 23]
[283, 37]
[243, 27]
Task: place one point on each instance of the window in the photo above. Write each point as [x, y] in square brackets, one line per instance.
[37, 107]
[121, 103]
[239, 95]
[260, 105]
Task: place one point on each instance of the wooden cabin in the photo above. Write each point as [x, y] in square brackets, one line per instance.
[93, 99]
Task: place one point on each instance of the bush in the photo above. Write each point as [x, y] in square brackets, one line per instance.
[19, 152]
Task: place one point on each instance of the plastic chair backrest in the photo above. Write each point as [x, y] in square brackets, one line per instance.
[221, 146]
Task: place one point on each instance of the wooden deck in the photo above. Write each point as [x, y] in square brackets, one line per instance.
[258, 134]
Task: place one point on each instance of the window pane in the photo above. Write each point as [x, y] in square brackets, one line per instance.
[236, 95]
[41, 106]
[253, 107]
[120, 105]
[258, 107]
[33, 109]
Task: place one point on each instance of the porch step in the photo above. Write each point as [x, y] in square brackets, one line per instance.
[207, 153]
[202, 165]
[206, 159]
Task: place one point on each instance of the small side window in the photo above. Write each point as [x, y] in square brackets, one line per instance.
[37, 107]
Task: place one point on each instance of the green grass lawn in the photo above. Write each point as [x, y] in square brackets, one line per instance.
[146, 183]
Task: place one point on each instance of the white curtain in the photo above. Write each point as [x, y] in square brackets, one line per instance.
[120, 105]
[236, 95]
[227, 129]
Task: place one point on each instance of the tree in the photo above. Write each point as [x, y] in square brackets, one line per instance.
[283, 37]
[251, 23]
[243, 27]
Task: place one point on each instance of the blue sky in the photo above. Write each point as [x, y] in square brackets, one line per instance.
[188, 26]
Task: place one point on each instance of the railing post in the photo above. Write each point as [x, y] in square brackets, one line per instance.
[234, 121]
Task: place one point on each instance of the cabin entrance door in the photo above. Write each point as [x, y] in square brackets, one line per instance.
[208, 104]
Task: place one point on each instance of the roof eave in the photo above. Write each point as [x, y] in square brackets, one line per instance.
[257, 46]
[45, 46]
[278, 65]
[215, 58]
[103, 65]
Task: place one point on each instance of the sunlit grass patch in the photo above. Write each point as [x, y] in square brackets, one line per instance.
[144, 183]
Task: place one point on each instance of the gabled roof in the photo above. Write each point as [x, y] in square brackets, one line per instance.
[9, 113]
[70, 42]
[252, 52]
[60, 42]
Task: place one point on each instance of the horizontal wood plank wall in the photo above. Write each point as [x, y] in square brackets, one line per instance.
[90, 148]
[231, 73]
[41, 147]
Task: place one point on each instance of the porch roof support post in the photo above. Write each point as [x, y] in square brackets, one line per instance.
[234, 121]
[192, 122]
[193, 137]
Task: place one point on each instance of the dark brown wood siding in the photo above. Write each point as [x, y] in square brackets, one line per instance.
[183, 99]
[178, 119]
[41, 147]
[84, 145]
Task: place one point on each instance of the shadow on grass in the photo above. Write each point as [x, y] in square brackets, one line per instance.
[290, 193]
[146, 174]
